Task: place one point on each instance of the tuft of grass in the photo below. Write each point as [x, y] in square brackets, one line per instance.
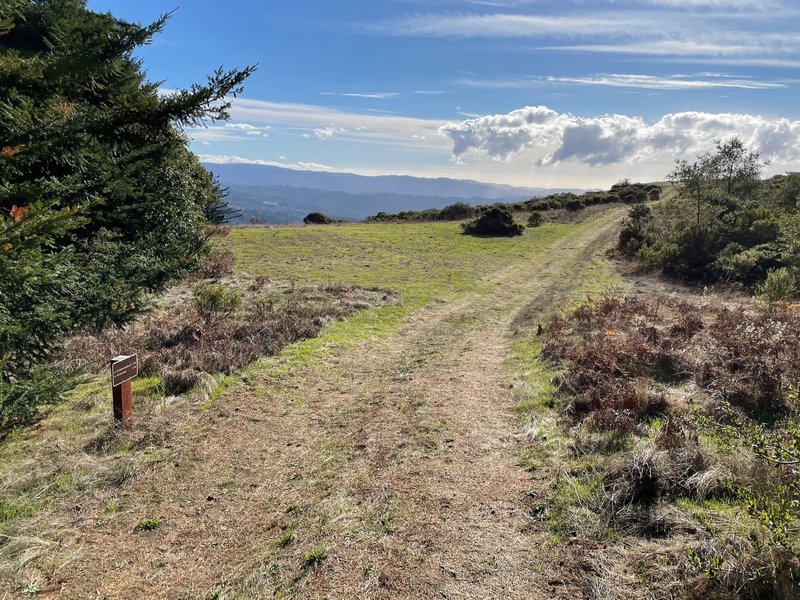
[148, 524]
[314, 557]
[287, 537]
[12, 509]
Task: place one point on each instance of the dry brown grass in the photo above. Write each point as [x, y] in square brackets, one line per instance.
[617, 351]
[175, 342]
[632, 371]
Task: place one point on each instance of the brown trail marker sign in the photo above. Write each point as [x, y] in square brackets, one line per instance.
[123, 369]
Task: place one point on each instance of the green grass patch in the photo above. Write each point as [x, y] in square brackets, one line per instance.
[12, 509]
[712, 514]
[421, 261]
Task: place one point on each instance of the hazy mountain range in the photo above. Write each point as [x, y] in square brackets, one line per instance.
[275, 195]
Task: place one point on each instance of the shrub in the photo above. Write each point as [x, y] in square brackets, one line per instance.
[318, 218]
[20, 401]
[781, 285]
[574, 204]
[456, 212]
[535, 220]
[173, 345]
[149, 524]
[495, 222]
[633, 234]
[215, 302]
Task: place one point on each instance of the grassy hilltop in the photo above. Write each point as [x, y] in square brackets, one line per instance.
[492, 415]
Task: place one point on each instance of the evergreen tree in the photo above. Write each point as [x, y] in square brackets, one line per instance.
[100, 199]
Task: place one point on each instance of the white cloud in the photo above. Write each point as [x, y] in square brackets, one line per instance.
[240, 126]
[672, 82]
[717, 29]
[533, 146]
[327, 132]
[515, 25]
[720, 4]
[225, 160]
[669, 82]
[551, 138]
[372, 95]
[306, 120]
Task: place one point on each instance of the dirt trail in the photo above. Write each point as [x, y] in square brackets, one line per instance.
[393, 461]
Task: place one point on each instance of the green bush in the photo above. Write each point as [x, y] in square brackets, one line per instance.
[318, 218]
[535, 220]
[780, 285]
[748, 265]
[495, 222]
[215, 302]
[574, 204]
[633, 234]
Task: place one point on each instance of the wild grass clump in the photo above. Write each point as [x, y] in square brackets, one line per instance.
[217, 264]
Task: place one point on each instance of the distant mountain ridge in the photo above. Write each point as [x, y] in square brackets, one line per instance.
[278, 195]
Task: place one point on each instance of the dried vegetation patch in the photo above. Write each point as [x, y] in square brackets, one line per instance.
[221, 327]
[684, 424]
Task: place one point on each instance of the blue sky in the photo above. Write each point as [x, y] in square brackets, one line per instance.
[573, 93]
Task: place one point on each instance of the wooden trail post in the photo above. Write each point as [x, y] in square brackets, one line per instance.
[123, 369]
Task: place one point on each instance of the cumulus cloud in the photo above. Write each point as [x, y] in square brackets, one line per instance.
[240, 126]
[556, 138]
[327, 132]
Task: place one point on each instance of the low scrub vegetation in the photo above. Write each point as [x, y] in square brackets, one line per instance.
[625, 191]
[454, 212]
[688, 416]
[219, 327]
[724, 224]
[535, 219]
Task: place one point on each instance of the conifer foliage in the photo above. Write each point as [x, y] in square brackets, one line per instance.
[100, 199]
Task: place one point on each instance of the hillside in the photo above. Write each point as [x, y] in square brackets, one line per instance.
[277, 195]
[400, 410]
